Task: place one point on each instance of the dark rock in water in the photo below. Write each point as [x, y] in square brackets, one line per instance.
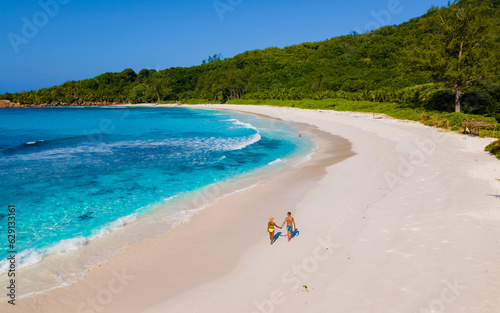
[85, 216]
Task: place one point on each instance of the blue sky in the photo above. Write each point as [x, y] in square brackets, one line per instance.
[45, 43]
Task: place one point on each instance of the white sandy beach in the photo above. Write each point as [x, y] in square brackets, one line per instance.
[409, 222]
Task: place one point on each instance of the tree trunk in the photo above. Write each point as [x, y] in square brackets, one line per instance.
[458, 89]
[458, 95]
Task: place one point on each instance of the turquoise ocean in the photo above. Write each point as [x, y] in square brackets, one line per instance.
[78, 174]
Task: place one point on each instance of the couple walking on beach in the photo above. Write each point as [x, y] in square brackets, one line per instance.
[290, 226]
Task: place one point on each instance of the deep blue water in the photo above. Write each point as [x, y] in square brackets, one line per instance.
[73, 171]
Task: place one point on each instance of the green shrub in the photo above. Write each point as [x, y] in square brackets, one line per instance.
[494, 148]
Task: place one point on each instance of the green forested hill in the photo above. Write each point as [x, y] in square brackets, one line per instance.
[445, 58]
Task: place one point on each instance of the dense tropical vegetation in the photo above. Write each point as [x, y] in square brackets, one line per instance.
[494, 148]
[446, 60]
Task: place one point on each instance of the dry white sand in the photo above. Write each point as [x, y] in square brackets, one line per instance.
[410, 223]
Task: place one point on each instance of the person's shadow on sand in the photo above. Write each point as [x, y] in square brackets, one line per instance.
[276, 236]
[279, 234]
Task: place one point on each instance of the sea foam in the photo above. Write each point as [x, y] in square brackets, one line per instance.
[127, 173]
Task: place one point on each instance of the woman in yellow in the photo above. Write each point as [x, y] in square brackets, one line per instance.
[270, 228]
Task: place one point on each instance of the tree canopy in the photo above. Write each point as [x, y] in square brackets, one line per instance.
[444, 60]
[457, 45]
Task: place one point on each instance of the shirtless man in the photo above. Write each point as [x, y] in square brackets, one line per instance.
[290, 225]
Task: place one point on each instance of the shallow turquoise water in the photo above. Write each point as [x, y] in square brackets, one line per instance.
[74, 172]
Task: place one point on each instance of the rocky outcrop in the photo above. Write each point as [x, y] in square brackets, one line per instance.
[8, 104]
